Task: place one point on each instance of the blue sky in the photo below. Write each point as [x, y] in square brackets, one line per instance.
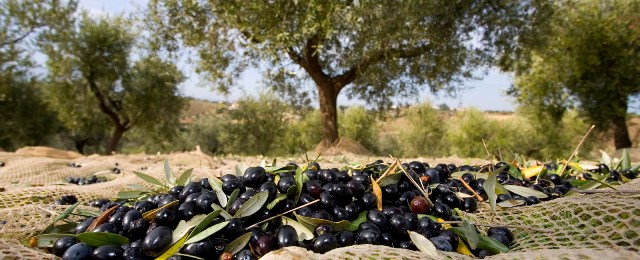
[485, 94]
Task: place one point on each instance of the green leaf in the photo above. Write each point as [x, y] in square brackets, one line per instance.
[470, 233]
[511, 203]
[149, 179]
[625, 161]
[204, 222]
[151, 214]
[222, 198]
[275, 201]
[303, 232]
[595, 183]
[477, 175]
[167, 172]
[312, 223]
[278, 170]
[238, 244]
[184, 177]
[391, 179]
[252, 205]
[501, 189]
[525, 191]
[130, 194]
[63, 215]
[490, 188]
[207, 232]
[47, 240]
[424, 245]
[355, 224]
[223, 212]
[185, 226]
[299, 181]
[514, 172]
[97, 239]
[491, 245]
[232, 197]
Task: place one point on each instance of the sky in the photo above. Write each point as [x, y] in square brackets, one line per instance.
[485, 94]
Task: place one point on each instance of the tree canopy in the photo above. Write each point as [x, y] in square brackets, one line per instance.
[374, 50]
[92, 71]
[588, 56]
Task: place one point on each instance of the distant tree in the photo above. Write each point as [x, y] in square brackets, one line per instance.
[444, 107]
[91, 72]
[25, 117]
[587, 56]
[377, 49]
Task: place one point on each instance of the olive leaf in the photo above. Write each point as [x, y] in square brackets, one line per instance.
[424, 244]
[275, 201]
[97, 239]
[252, 205]
[491, 245]
[279, 169]
[511, 203]
[525, 191]
[303, 232]
[184, 178]
[47, 240]
[238, 244]
[63, 215]
[223, 212]
[390, 179]
[232, 198]
[625, 161]
[490, 188]
[500, 189]
[595, 183]
[130, 194]
[355, 224]
[149, 179]
[102, 218]
[207, 232]
[151, 214]
[299, 181]
[463, 249]
[377, 191]
[222, 198]
[185, 226]
[606, 159]
[312, 223]
[514, 172]
[470, 233]
[167, 172]
[204, 222]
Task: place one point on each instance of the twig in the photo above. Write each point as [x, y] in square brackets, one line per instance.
[496, 225]
[282, 214]
[466, 185]
[575, 151]
[391, 169]
[424, 193]
[608, 191]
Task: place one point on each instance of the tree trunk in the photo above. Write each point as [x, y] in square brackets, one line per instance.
[328, 112]
[115, 139]
[80, 144]
[620, 132]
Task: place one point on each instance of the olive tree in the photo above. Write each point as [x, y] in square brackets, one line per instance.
[93, 77]
[374, 50]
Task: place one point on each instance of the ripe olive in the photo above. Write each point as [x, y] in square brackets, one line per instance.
[144, 206]
[324, 243]
[265, 244]
[79, 251]
[287, 236]
[229, 186]
[470, 205]
[62, 244]
[106, 227]
[346, 238]
[442, 211]
[419, 205]
[203, 248]
[254, 176]
[187, 210]
[129, 217]
[441, 244]
[234, 229]
[244, 255]
[368, 236]
[205, 200]
[189, 189]
[398, 224]
[323, 229]
[271, 188]
[377, 217]
[369, 200]
[82, 227]
[157, 241]
[108, 252]
[500, 230]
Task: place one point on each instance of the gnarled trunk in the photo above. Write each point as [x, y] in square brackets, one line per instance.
[328, 112]
[620, 132]
[117, 134]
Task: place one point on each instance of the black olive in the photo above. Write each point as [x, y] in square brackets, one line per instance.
[108, 252]
[324, 243]
[78, 251]
[62, 244]
[157, 241]
[287, 236]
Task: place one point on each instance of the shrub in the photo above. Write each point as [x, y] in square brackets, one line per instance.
[359, 125]
[424, 133]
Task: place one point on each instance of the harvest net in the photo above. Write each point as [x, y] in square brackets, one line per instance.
[587, 226]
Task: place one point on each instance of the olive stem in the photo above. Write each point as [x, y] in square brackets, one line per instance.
[495, 225]
[281, 214]
[424, 193]
[575, 151]
[391, 169]
[466, 185]
[488, 153]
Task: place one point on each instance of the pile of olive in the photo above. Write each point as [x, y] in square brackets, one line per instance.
[331, 194]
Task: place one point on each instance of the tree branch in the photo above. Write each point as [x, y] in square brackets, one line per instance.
[20, 38]
[103, 103]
